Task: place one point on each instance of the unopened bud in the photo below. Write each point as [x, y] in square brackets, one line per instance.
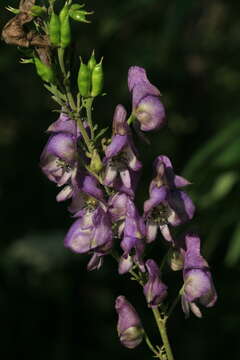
[96, 163]
[130, 330]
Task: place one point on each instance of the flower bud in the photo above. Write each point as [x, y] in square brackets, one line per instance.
[96, 164]
[154, 290]
[84, 80]
[129, 327]
[97, 79]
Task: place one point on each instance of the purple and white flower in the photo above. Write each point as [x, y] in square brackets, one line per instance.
[167, 203]
[121, 161]
[129, 326]
[147, 107]
[58, 159]
[154, 290]
[198, 284]
[132, 243]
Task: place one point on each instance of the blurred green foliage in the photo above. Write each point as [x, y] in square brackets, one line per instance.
[51, 307]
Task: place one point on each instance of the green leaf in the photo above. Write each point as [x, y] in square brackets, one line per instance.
[101, 133]
[216, 144]
[230, 154]
[233, 254]
[222, 186]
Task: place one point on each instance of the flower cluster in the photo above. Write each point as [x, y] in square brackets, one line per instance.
[105, 214]
[99, 176]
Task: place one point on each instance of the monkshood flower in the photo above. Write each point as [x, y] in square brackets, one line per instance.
[129, 326]
[133, 240]
[90, 232]
[117, 207]
[198, 285]
[86, 193]
[167, 204]
[154, 290]
[121, 161]
[64, 124]
[147, 107]
[58, 159]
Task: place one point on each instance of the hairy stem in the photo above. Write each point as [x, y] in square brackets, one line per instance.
[161, 324]
[172, 307]
[84, 134]
[150, 345]
[66, 80]
[87, 103]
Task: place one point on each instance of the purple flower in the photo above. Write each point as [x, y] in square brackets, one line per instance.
[58, 159]
[129, 327]
[133, 239]
[64, 124]
[198, 285]
[86, 193]
[154, 290]
[121, 160]
[147, 107]
[117, 207]
[91, 232]
[167, 204]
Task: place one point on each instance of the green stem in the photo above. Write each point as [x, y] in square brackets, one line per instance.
[87, 103]
[66, 80]
[172, 307]
[161, 323]
[150, 345]
[131, 118]
[84, 134]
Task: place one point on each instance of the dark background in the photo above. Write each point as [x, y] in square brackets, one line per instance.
[50, 306]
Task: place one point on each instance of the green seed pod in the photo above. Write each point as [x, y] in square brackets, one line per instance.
[45, 72]
[64, 13]
[13, 10]
[74, 7]
[65, 38]
[97, 79]
[54, 29]
[84, 79]
[38, 10]
[79, 15]
[92, 62]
